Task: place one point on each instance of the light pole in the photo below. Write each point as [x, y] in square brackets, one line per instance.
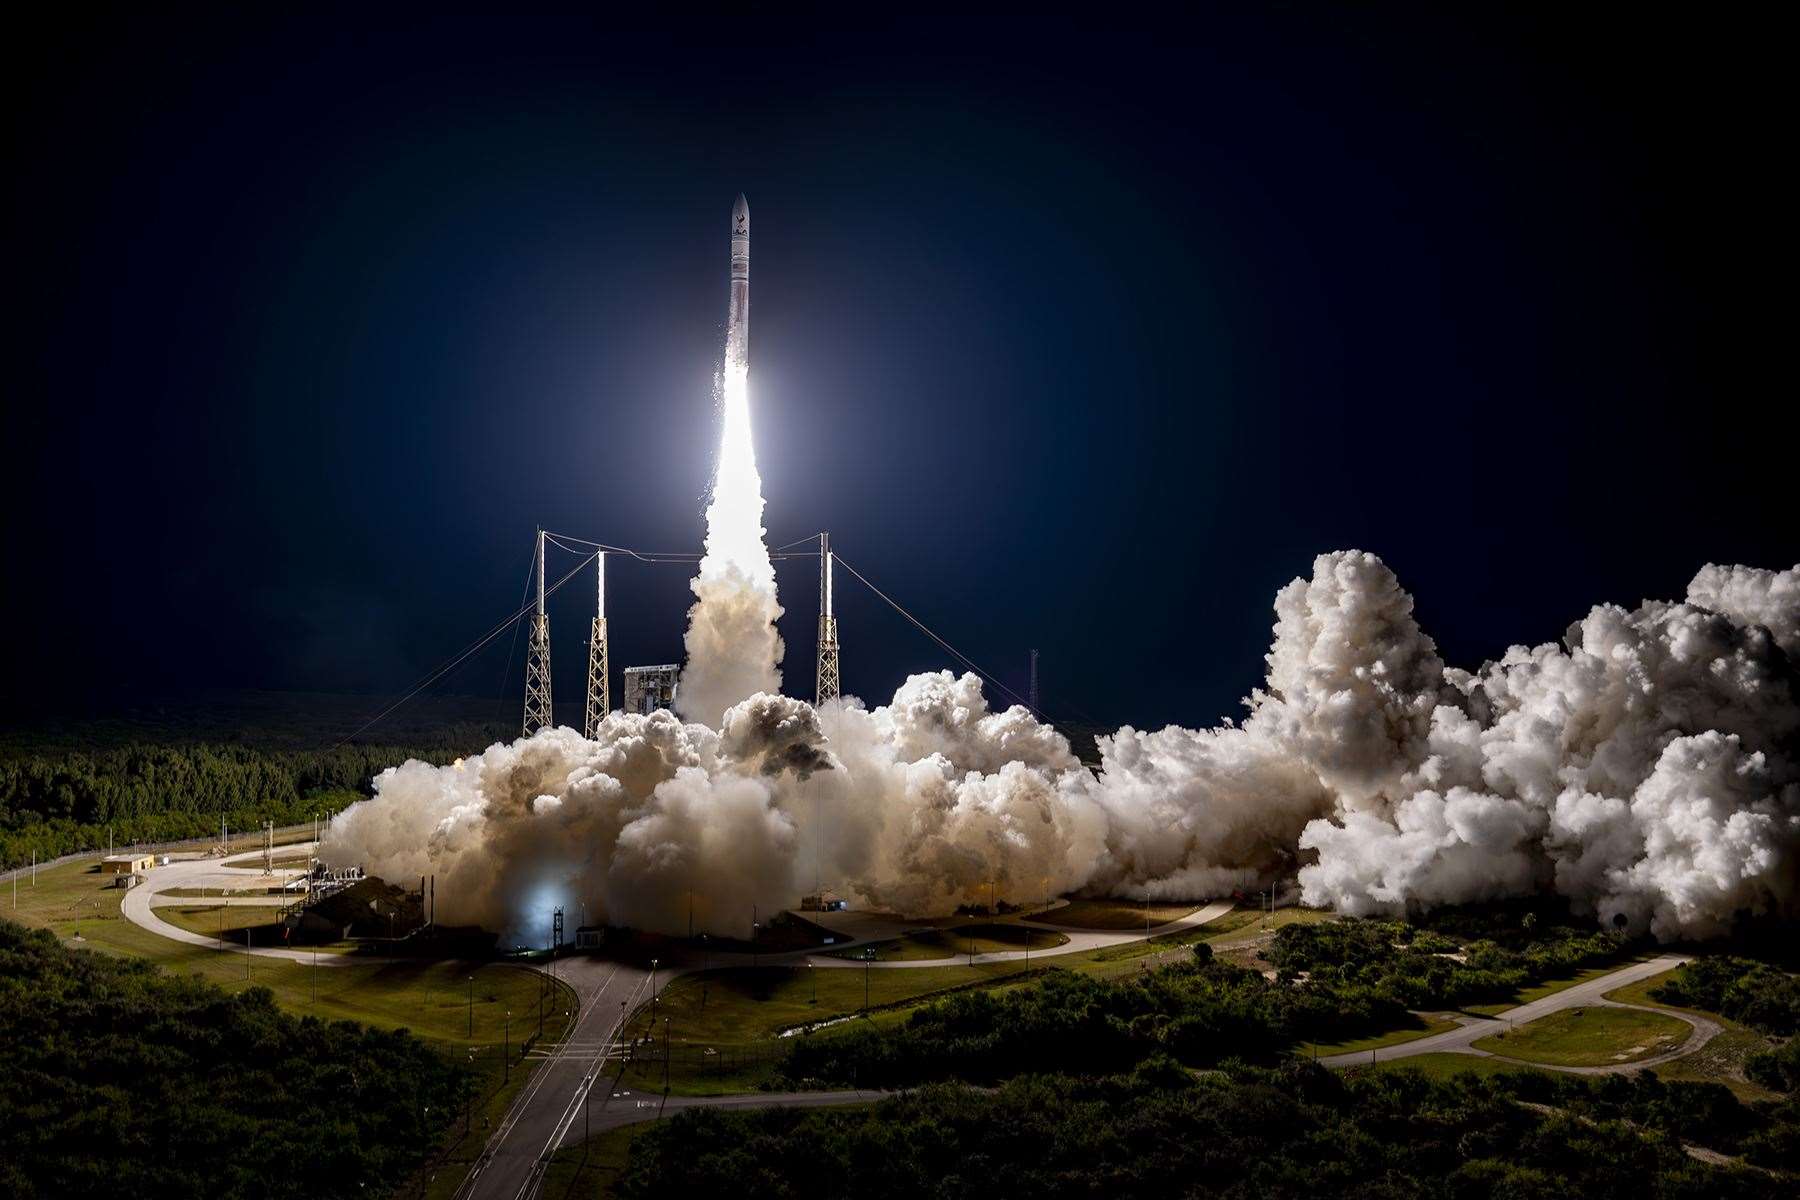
[755, 953]
[507, 1051]
[653, 963]
[813, 979]
[868, 957]
[666, 1047]
[471, 1008]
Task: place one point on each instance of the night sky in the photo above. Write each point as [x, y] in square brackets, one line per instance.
[1078, 338]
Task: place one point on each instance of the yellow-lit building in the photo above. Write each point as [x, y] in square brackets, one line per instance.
[126, 864]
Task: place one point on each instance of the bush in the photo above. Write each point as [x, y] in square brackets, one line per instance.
[1779, 1069]
[1751, 992]
[1298, 1131]
[116, 1072]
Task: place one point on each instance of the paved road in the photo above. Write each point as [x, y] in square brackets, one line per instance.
[1583, 995]
[140, 903]
[556, 1104]
[571, 1094]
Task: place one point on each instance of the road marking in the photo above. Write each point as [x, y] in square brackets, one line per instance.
[518, 1105]
[535, 1180]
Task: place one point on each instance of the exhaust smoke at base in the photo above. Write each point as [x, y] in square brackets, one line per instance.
[1644, 769]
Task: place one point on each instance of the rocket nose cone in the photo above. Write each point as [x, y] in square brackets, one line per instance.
[740, 215]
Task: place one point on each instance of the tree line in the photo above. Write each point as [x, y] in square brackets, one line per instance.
[1335, 981]
[59, 802]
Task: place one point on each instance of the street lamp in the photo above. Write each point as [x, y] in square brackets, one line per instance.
[666, 1047]
[813, 979]
[755, 953]
[507, 1051]
[653, 963]
[471, 1008]
[868, 957]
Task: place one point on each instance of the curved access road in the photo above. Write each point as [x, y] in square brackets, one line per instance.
[139, 905]
[1590, 994]
[861, 934]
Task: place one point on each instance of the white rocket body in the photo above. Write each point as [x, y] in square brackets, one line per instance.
[737, 329]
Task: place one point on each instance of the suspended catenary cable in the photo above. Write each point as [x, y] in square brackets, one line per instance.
[958, 655]
[453, 663]
[592, 550]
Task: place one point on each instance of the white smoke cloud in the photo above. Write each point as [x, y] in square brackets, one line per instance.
[1752, 597]
[1644, 768]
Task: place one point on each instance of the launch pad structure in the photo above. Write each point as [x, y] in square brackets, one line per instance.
[538, 711]
[825, 686]
[646, 688]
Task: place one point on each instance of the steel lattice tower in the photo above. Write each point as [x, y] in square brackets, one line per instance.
[599, 695]
[826, 687]
[537, 659]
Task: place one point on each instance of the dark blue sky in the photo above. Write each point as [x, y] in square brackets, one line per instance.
[1078, 337]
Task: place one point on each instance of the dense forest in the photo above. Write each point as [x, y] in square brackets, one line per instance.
[58, 802]
[1336, 980]
[119, 1079]
[1258, 1134]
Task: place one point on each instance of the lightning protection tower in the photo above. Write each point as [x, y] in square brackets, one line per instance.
[599, 696]
[537, 658]
[827, 685]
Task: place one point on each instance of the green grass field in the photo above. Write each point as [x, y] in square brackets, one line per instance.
[1448, 1066]
[929, 945]
[1421, 1026]
[1113, 914]
[1550, 987]
[1590, 1037]
[430, 998]
[590, 1169]
[1721, 1060]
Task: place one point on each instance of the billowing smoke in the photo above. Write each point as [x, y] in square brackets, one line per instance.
[1645, 768]
[733, 650]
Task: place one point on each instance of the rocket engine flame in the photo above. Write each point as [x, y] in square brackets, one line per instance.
[733, 651]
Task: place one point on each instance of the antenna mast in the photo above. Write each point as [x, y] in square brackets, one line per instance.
[599, 694]
[827, 686]
[537, 658]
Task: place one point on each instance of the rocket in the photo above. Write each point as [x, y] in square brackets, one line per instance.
[737, 329]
